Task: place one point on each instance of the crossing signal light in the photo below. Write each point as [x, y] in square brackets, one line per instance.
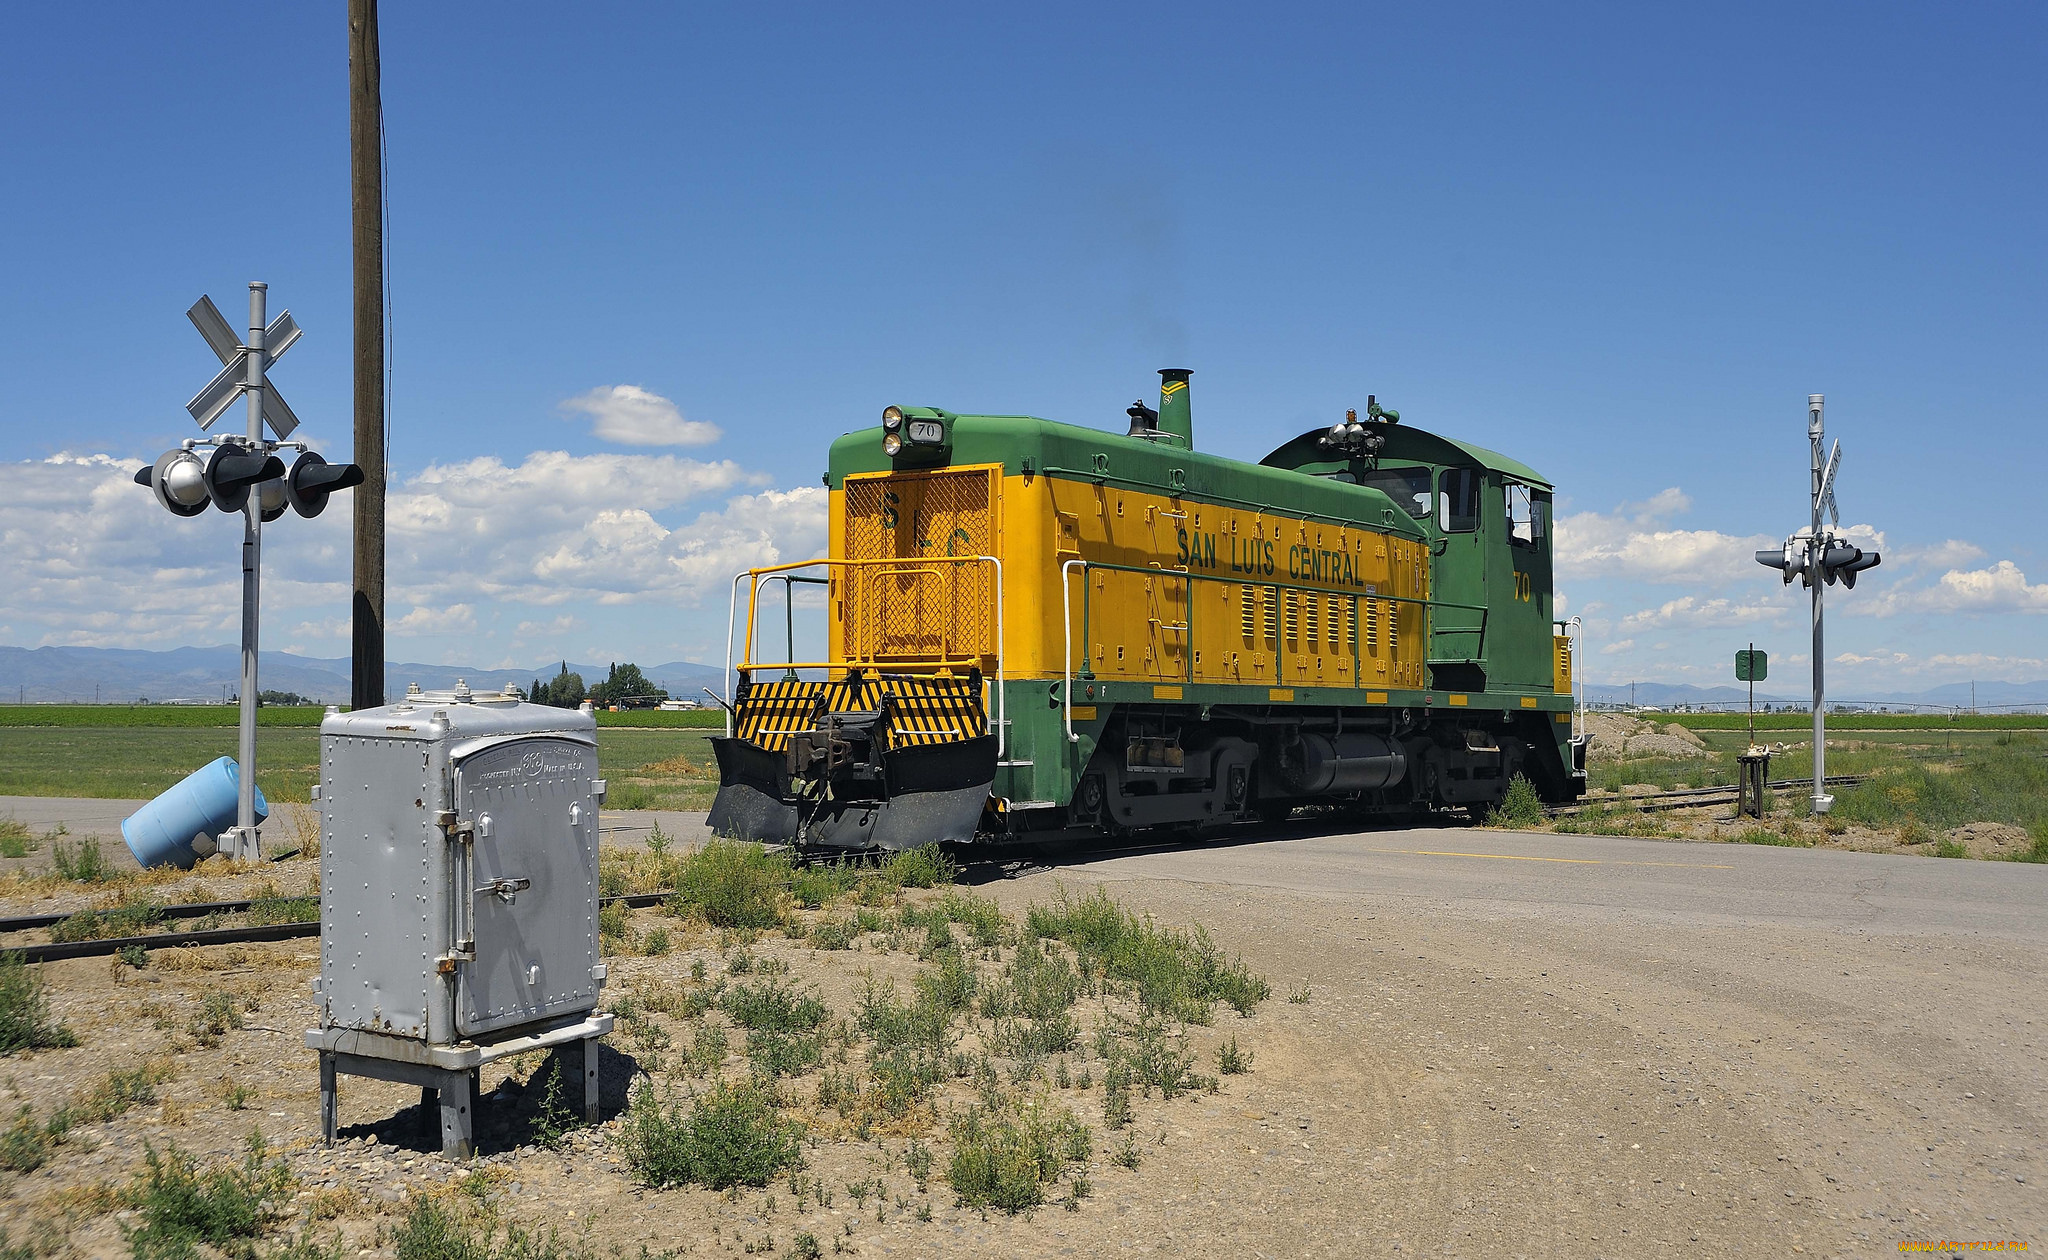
[1791, 561]
[232, 470]
[178, 479]
[312, 479]
[1840, 560]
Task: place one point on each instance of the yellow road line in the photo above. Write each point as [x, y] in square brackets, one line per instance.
[1518, 857]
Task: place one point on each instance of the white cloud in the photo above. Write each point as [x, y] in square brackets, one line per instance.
[2002, 588]
[89, 559]
[422, 620]
[633, 416]
[1635, 542]
[1690, 610]
[1619, 645]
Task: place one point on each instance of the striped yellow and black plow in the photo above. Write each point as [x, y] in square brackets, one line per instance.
[866, 760]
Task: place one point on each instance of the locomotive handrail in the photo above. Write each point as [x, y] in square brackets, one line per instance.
[768, 572]
[1067, 616]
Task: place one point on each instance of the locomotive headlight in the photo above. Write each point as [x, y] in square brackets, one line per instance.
[892, 443]
[892, 419]
[927, 432]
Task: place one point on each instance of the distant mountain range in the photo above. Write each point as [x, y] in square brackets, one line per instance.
[1949, 695]
[80, 675]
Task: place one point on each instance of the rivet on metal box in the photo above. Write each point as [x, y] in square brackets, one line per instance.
[458, 908]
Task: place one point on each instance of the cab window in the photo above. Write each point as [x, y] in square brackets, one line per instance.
[1458, 502]
[1407, 487]
[1528, 515]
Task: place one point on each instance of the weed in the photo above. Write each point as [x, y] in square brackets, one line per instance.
[1127, 1154]
[1157, 1059]
[1947, 848]
[1520, 807]
[218, 1014]
[728, 1137]
[25, 1022]
[731, 885]
[773, 1007]
[1176, 973]
[135, 956]
[180, 1207]
[917, 1161]
[14, 838]
[435, 1229]
[1116, 1096]
[2038, 852]
[923, 867]
[1764, 835]
[119, 1090]
[284, 910]
[83, 862]
[657, 942]
[833, 934]
[555, 1118]
[236, 1096]
[1299, 994]
[658, 841]
[697, 970]
[821, 883]
[1005, 1162]
[1231, 1060]
[776, 1054]
[97, 925]
[707, 1053]
[614, 930]
[26, 1144]
[805, 1247]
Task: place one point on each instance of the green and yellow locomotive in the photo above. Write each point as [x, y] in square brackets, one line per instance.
[1037, 629]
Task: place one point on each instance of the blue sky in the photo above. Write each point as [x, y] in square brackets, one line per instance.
[1621, 243]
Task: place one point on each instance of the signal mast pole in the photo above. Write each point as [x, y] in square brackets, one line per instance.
[242, 844]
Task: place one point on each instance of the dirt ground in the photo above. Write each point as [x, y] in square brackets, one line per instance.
[1461, 1080]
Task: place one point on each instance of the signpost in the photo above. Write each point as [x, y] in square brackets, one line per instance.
[1752, 667]
[1753, 765]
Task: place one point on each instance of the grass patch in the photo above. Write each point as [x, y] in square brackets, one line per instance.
[440, 1229]
[729, 1136]
[1764, 835]
[1176, 973]
[82, 862]
[1520, 807]
[1005, 1161]
[923, 867]
[130, 919]
[15, 841]
[225, 1208]
[25, 1022]
[2002, 780]
[732, 885]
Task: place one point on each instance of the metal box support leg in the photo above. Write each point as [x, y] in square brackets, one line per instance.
[590, 1109]
[458, 1114]
[329, 1102]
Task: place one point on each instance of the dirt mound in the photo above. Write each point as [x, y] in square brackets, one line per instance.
[1617, 735]
[1992, 840]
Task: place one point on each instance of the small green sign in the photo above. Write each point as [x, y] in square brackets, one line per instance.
[1752, 665]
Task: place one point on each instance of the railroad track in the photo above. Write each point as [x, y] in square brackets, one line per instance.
[53, 951]
[1692, 798]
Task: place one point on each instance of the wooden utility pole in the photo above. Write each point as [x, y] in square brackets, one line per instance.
[366, 179]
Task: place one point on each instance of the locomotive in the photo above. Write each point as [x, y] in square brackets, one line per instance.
[1038, 630]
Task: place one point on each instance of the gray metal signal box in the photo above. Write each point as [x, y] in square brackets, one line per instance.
[458, 906]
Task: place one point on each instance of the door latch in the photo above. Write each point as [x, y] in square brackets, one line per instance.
[506, 890]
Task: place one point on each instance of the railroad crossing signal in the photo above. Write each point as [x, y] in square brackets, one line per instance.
[1818, 556]
[238, 467]
[233, 380]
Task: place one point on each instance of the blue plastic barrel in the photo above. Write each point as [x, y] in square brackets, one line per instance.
[203, 803]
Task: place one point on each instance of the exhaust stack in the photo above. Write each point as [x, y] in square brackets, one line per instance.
[1174, 414]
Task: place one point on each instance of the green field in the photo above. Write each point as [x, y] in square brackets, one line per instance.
[647, 767]
[204, 716]
[1854, 721]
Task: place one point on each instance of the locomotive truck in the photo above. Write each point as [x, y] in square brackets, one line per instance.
[1038, 630]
